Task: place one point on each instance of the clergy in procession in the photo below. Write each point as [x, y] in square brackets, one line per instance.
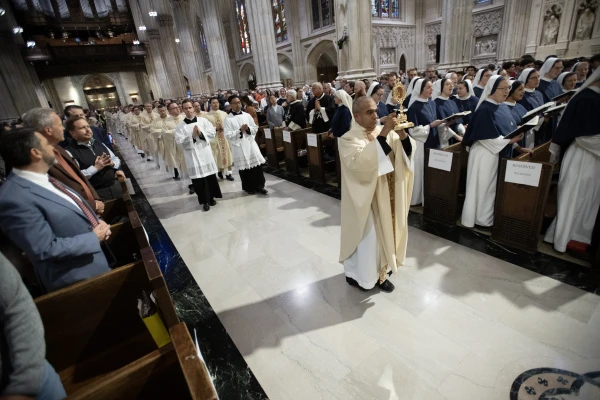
[376, 168]
[320, 109]
[164, 127]
[422, 112]
[240, 131]
[579, 182]
[451, 131]
[491, 121]
[123, 117]
[147, 139]
[220, 146]
[194, 134]
[548, 86]
[483, 75]
[465, 99]
[133, 123]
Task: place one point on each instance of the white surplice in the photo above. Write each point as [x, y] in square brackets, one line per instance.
[197, 153]
[420, 134]
[363, 264]
[245, 150]
[578, 194]
[482, 173]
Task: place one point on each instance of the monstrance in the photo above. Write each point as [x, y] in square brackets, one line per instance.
[399, 93]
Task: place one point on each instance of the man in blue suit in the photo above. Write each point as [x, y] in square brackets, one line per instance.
[52, 224]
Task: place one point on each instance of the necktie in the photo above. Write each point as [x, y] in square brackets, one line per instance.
[76, 199]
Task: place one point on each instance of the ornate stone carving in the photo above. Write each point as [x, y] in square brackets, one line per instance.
[485, 61]
[487, 23]
[394, 36]
[181, 3]
[431, 53]
[165, 20]
[586, 16]
[431, 32]
[387, 56]
[552, 15]
[486, 45]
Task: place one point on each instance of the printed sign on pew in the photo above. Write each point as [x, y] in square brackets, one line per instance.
[267, 133]
[311, 139]
[524, 173]
[287, 136]
[440, 160]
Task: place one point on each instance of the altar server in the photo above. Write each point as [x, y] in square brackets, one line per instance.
[423, 113]
[240, 131]
[194, 134]
[481, 79]
[491, 121]
[579, 182]
[452, 130]
[465, 99]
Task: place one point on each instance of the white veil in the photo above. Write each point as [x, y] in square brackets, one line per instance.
[417, 90]
[488, 89]
[346, 100]
[548, 64]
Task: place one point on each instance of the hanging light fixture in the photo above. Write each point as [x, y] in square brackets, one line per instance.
[17, 30]
[176, 40]
[152, 13]
[136, 42]
[2, 11]
[30, 44]
[142, 27]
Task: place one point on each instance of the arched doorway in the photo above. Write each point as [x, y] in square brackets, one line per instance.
[248, 76]
[286, 70]
[100, 92]
[403, 63]
[322, 62]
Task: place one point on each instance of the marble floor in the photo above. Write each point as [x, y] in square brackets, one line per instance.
[460, 325]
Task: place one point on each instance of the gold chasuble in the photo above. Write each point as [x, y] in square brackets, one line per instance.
[388, 196]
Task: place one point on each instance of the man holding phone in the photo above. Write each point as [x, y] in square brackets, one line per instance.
[96, 161]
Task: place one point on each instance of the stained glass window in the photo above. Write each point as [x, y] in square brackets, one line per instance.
[322, 13]
[279, 22]
[203, 46]
[242, 20]
[385, 8]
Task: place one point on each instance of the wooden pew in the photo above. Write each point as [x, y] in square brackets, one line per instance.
[274, 146]
[118, 208]
[444, 190]
[317, 166]
[296, 141]
[127, 239]
[519, 209]
[260, 139]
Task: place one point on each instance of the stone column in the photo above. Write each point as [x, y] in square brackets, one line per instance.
[144, 90]
[293, 26]
[264, 51]
[189, 45]
[353, 19]
[457, 34]
[514, 29]
[217, 46]
[52, 95]
[170, 55]
[160, 73]
[420, 48]
[535, 17]
[564, 32]
[151, 73]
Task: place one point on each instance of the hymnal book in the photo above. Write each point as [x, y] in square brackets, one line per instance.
[555, 109]
[565, 95]
[457, 115]
[523, 128]
[537, 111]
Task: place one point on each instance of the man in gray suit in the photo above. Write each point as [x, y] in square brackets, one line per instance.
[52, 224]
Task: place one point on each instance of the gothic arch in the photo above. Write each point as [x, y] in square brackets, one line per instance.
[286, 68]
[247, 73]
[322, 52]
[402, 64]
[79, 80]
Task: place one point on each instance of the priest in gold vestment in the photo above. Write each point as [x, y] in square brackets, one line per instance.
[377, 182]
[220, 146]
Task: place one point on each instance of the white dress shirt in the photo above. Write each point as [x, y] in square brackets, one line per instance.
[43, 181]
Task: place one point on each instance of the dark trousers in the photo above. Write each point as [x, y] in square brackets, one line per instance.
[110, 193]
[253, 179]
[207, 189]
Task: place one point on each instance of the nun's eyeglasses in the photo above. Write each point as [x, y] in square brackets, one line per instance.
[504, 88]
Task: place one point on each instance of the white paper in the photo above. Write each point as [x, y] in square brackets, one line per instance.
[287, 136]
[440, 160]
[311, 139]
[540, 108]
[524, 173]
[267, 133]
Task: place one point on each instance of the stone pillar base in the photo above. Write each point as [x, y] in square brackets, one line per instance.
[456, 66]
[356, 74]
[269, 85]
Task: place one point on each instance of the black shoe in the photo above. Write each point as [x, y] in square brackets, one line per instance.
[386, 286]
[220, 175]
[205, 207]
[249, 192]
[148, 159]
[213, 202]
[263, 191]
[229, 177]
[176, 178]
[142, 155]
[353, 282]
[191, 187]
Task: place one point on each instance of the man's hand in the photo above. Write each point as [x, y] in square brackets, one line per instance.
[100, 163]
[284, 104]
[196, 132]
[244, 127]
[120, 174]
[317, 105]
[517, 138]
[389, 125]
[99, 207]
[102, 230]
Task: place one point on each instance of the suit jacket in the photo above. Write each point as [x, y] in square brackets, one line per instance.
[63, 176]
[99, 134]
[54, 233]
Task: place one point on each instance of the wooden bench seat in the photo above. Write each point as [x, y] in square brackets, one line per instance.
[318, 167]
[297, 141]
[274, 146]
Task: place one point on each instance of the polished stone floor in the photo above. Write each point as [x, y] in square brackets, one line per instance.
[461, 324]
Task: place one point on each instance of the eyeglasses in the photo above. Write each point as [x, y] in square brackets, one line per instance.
[504, 88]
